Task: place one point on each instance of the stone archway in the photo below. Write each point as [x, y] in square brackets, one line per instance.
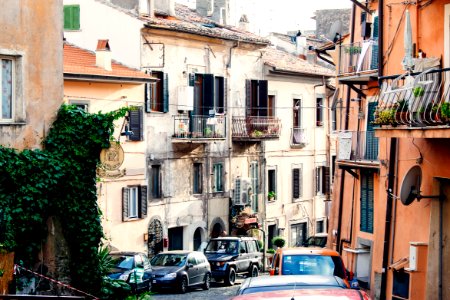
[218, 228]
[155, 238]
[197, 238]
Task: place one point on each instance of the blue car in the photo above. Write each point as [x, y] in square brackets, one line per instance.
[180, 270]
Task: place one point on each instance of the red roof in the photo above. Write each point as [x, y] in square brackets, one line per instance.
[80, 61]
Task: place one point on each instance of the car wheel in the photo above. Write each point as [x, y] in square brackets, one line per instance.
[231, 278]
[254, 272]
[207, 283]
[183, 285]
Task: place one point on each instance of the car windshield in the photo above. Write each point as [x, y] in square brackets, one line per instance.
[124, 262]
[285, 287]
[161, 260]
[312, 265]
[222, 246]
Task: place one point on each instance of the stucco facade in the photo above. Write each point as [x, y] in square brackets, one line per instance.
[36, 70]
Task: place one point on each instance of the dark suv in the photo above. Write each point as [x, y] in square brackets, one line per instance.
[229, 256]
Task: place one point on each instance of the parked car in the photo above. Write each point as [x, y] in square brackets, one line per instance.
[294, 282]
[229, 256]
[309, 261]
[317, 240]
[180, 270]
[133, 268]
[307, 294]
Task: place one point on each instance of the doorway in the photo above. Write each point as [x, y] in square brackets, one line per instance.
[176, 238]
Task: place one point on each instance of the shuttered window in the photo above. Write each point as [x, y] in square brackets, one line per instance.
[135, 121]
[155, 182]
[319, 111]
[322, 180]
[366, 211]
[296, 183]
[256, 98]
[210, 94]
[254, 177]
[218, 177]
[71, 17]
[134, 202]
[157, 94]
[197, 178]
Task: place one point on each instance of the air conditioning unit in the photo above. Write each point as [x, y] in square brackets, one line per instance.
[242, 191]
[185, 95]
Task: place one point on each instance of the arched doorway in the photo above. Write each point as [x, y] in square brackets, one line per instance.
[155, 238]
[217, 230]
[197, 238]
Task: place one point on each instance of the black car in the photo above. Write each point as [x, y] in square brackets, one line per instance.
[294, 282]
[229, 256]
[133, 268]
[180, 270]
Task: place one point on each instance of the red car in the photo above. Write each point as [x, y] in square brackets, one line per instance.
[311, 294]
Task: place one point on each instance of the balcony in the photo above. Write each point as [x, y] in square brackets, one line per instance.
[198, 128]
[358, 148]
[255, 128]
[299, 138]
[358, 62]
[416, 105]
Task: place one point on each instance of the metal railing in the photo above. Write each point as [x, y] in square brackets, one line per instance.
[358, 145]
[199, 127]
[417, 100]
[256, 127]
[299, 137]
[358, 57]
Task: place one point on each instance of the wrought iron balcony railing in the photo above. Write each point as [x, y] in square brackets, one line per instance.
[416, 100]
[255, 127]
[358, 57]
[199, 127]
[299, 137]
[358, 145]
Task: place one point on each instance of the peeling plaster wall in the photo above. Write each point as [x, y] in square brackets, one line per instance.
[32, 34]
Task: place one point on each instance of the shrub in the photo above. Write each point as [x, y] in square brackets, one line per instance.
[279, 241]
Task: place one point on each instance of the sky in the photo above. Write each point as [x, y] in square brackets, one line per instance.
[284, 15]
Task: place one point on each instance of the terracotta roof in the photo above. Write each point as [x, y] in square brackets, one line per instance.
[283, 61]
[80, 61]
[189, 21]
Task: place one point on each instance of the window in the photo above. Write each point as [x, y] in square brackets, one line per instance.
[271, 106]
[256, 98]
[272, 182]
[320, 226]
[297, 113]
[136, 124]
[157, 94]
[155, 182]
[298, 234]
[209, 94]
[319, 112]
[296, 183]
[71, 17]
[134, 202]
[322, 180]
[7, 88]
[366, 214]
[218, 177]
[83, 105]
[198, 179]
[254, 177]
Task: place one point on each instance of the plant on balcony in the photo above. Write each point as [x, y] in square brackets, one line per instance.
[418, 91]
[445, 111]
[353, 50]
[385, 117]
[271, 195]
[208, 132]
[257, 133]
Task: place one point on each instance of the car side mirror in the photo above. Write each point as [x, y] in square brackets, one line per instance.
[139, 265]
[189, 266]
[242, 251]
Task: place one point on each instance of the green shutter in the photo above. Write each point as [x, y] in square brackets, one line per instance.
[136, 123]
[71, 17]
[125, 204]
[143, 201]
[366, 210]
[166, 93]
[375, 28]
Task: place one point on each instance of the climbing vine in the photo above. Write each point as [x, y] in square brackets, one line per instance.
[58, 181]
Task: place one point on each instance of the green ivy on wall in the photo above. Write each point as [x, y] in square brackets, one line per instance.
[59, 181]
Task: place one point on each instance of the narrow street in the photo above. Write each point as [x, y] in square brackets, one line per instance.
[218, 291]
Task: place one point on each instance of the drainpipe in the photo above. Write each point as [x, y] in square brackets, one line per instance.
[347, 112]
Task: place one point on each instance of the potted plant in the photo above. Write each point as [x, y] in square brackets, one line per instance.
[418, 91]
[271, 195]
[445, 111]
[385, 117]
[402, 110]
[257, 133]
[279, 241]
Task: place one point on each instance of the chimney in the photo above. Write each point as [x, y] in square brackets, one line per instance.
[243, 22]
[147, 7]
[103, 55]
[166, 6]
[311, 57]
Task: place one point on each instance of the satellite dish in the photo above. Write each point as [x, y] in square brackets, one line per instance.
[335, 32]
[410, 188]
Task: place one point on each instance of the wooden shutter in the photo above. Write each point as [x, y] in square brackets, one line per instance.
[225, 95]
[165, 99]
[72, 17]
[142, 201]
[326, 180]
[374, 59]
[248, 97]
[375, 28]
[148, 96]
[366, 210]
[263, 96]
[136, 123]
[296, 183]
[208, 93]
[317, 179]
[125, 204]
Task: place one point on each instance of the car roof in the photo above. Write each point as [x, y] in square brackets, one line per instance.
[316, 294]
[291, 280]
[126, 253]
[308, 250]
[234, 238]
[183, 252]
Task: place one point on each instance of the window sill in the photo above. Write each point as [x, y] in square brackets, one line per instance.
[133, 219]
[7, 123]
